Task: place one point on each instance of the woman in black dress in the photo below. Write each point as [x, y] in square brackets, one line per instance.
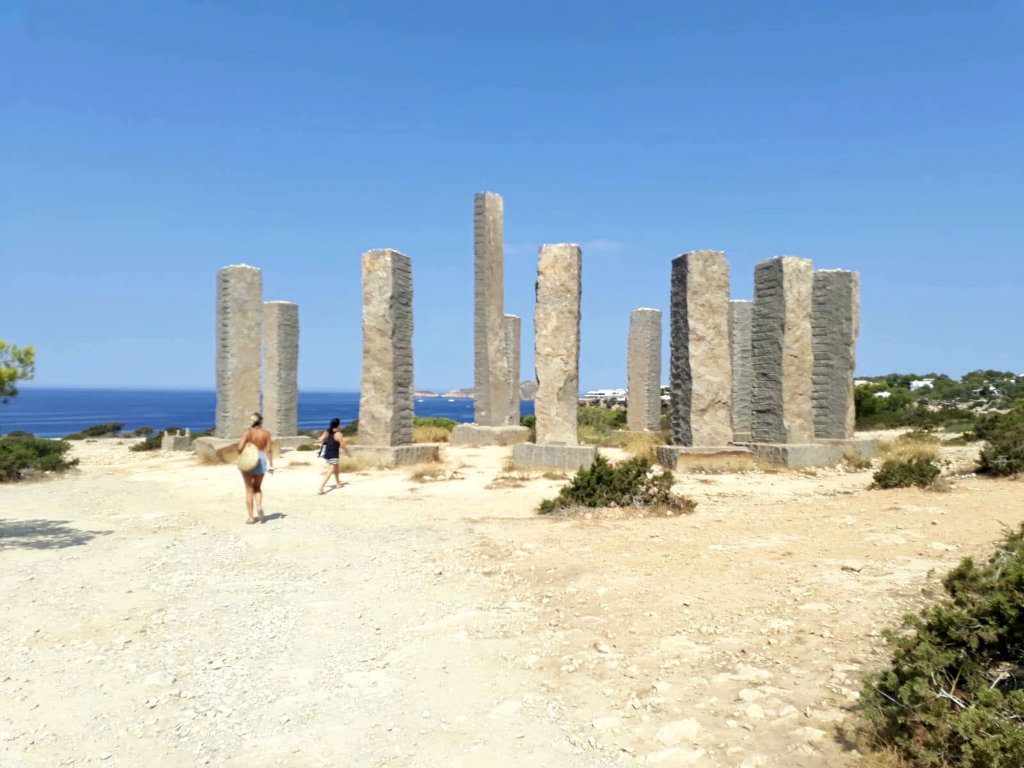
[332, 441]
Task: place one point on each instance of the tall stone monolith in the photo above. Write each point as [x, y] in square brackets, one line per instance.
[385, 400]
[513, 329]
[782, 353]
[281, 368]
[490, 367]
[835, 324]
[556, 327]
[557, 344]
[701, 366]
[239, 330]
[643, 370]
[741, 314]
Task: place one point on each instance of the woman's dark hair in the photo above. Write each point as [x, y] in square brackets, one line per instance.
[256, 420]
[335, 423]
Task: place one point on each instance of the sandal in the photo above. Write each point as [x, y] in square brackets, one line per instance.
[250, 521]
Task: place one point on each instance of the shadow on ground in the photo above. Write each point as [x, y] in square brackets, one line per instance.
[43, 534]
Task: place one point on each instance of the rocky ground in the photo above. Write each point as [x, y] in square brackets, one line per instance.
[402, 622]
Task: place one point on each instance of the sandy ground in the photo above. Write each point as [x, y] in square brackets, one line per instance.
[402, 623]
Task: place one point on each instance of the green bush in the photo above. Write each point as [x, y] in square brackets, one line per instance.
[530, 422]
[350, 429]
[19, 455]
[110, 429]
[601, 419]
[143, 432]
[439, 422]
[1003, 453]
[904, 474]
[20, 433]
[308, 447]
[953, 694]
[631, 483]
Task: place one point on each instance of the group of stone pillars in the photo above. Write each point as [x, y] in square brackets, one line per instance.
[251, 333]
[772, 378]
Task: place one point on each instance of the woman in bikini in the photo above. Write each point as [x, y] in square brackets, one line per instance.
[253, 479]
[332, 441]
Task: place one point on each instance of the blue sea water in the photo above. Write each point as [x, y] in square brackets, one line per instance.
[58, 412]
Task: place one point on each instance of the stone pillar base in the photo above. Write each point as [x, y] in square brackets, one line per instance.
[474, 435]
[530, 456]
[176, 443]
[388, 456]
[714, 458]
[741, 437]
[796, 455]
[856, 448]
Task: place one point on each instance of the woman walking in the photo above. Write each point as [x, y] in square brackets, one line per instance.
[257, 436]
[332, 441]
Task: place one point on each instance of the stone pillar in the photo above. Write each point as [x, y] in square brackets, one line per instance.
[239, 328]
[281, 368]
[643, 365]
[490, 365]
[513, 328]
[557, 344]
[741, 315]
[781, 351]
[701, 368]
[385, 400]
[556, 328]
[835, 324]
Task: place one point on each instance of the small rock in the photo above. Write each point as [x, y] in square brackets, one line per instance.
[852, 566]
[680, 731]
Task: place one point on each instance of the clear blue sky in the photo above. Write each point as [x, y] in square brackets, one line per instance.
[145, 144]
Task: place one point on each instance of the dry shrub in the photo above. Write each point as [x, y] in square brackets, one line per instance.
[430, 434]
[508, 480]
[356, 464]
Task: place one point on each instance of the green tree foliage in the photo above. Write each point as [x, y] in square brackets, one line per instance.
[953, 694]
[108, 429]
[20, 454]
[16, 364]
[632, 483]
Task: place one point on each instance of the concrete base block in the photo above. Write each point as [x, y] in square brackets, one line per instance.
[474, 435]
[176, 443]
[530, 456]
[715, 458]
[388, 456]
[855, 448]
[795, 455]
[741, 437]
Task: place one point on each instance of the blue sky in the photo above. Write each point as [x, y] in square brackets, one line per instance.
[144, 145]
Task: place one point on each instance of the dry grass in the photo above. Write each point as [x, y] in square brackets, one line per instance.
[554, 475]
[354, 464]
[427, 473]
[907, 448]
[430, 434]
[852, 460]
[643, 445]
[508, 480]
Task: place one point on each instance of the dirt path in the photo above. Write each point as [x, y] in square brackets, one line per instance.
[401, 623]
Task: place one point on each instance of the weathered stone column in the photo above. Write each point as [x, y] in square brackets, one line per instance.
[741, 314]
[557, 344]
[281, 368]
[701, 367]
[385, 398]
[835, 324]
[781, 351]
[239, 328]
[557, 357]
[513, 328]
[643, 364]
[490, 388]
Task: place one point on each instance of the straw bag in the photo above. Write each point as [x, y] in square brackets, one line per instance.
[248, 458]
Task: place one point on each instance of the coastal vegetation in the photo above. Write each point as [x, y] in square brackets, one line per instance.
[16, 364]
[23, 455]
[631, 483]
[953, 693]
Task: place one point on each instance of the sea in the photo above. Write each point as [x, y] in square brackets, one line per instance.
[53, 412]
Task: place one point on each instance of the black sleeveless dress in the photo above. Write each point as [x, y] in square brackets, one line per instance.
[331, 448]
